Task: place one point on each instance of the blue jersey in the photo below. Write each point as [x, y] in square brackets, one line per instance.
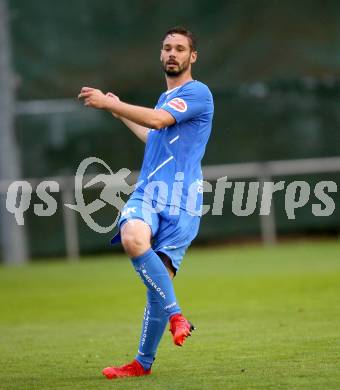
[171, 172]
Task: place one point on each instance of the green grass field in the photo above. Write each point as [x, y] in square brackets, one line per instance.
[267, 318]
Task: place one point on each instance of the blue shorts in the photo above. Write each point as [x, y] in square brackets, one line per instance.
[172, 229]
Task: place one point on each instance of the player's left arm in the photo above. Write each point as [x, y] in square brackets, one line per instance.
[148, 117]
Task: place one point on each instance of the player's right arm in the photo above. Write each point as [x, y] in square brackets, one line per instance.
[155, 119]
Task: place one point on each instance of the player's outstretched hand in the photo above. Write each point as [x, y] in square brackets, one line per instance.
[93, 97]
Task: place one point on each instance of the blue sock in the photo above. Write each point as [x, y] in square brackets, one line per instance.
[155, 276]
[154, 323]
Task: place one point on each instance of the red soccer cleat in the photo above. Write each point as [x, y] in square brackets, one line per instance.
[180, 328]
[132, 369]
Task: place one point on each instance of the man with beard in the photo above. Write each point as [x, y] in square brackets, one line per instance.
[162, 216]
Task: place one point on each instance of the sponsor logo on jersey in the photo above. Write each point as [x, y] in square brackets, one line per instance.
[178, 104]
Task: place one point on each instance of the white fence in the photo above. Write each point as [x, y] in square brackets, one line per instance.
[263, 172]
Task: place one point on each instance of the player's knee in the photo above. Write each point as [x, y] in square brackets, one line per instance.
[130, 241]
[136, 237]
[133, 244]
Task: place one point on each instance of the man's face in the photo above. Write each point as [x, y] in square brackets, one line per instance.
[176, 55]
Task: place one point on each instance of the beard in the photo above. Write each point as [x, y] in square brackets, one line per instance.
[177, 70]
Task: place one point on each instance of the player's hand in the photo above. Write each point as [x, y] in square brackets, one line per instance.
[93, 98]
[116, 98]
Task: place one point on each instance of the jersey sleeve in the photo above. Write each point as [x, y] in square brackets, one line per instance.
[190, 102]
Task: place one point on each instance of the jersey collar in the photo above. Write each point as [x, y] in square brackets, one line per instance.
[173, 89]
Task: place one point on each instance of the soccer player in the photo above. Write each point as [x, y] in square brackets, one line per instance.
[162, 216]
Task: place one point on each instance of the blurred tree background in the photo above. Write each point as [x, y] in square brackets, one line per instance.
[273, 67]
[114, 44]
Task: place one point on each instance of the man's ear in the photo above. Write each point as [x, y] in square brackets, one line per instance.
[193, 57]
